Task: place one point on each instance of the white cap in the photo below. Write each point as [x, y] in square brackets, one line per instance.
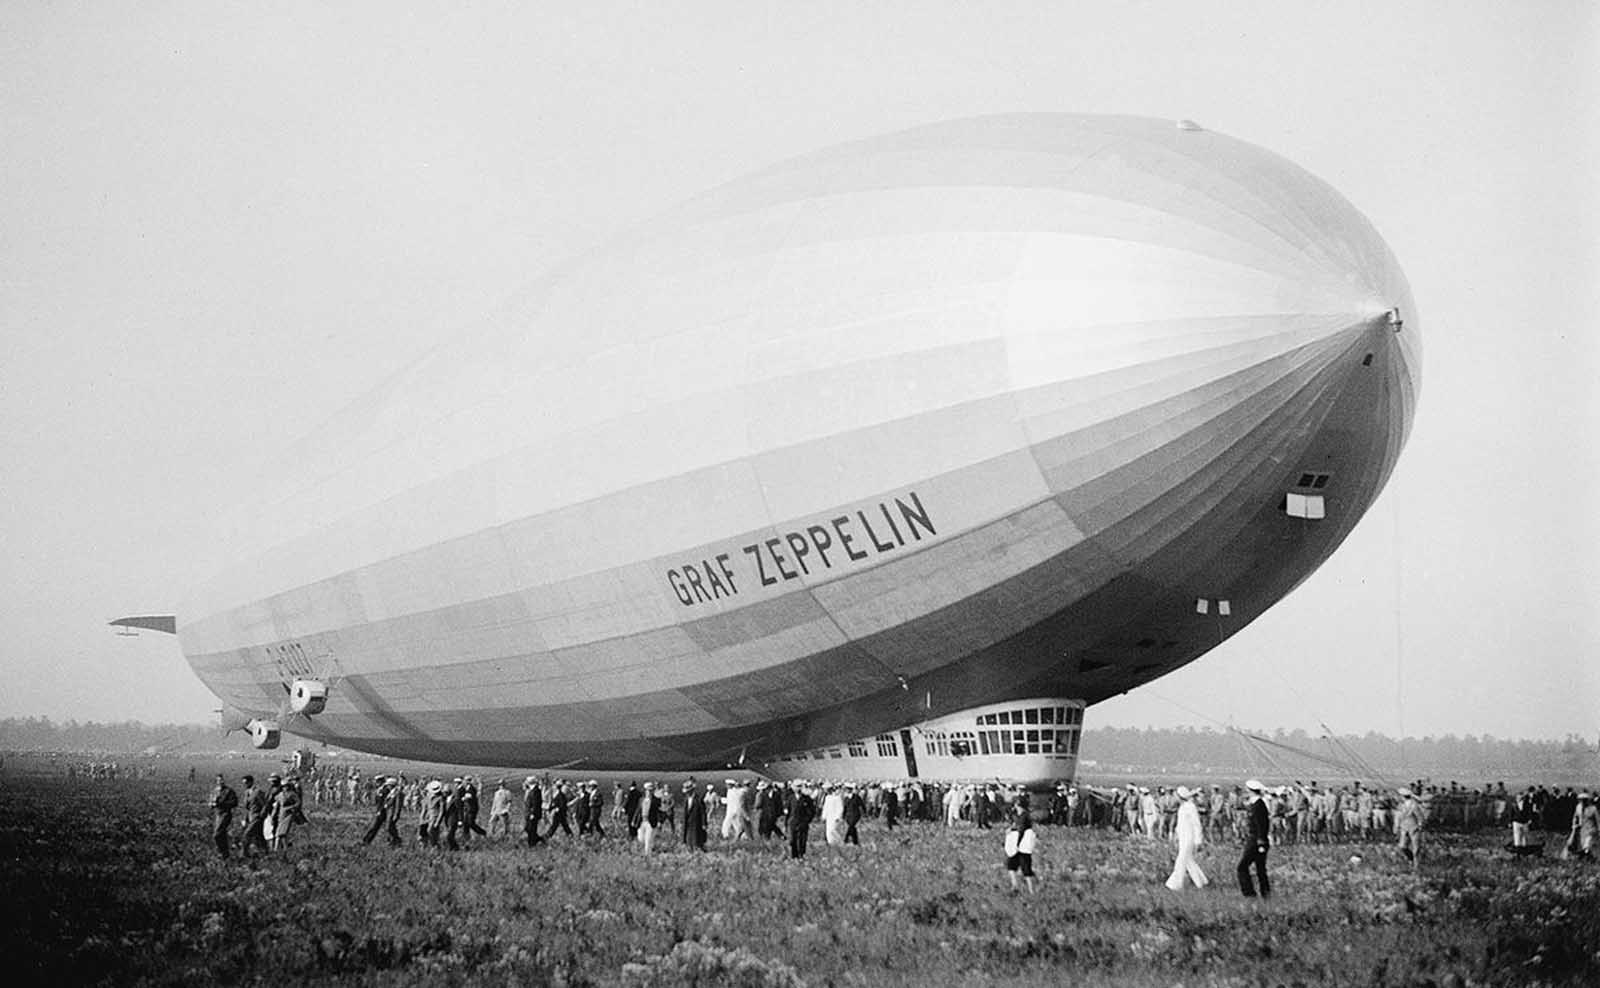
[1254, 785]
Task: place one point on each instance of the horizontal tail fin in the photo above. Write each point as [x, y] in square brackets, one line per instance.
[151, 622]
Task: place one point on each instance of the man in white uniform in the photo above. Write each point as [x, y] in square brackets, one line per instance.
[1190, 835]
[833, 814]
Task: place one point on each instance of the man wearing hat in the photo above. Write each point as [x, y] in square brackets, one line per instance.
[500, 811]
[833, 814]
[1190, 834]
[769, 807]
[695, 817]
[1408, 825]
[532, 810]
[1585, 826]
[854, 809]
[1257, 838]
[559, 802]
[255, 815]
[386, 812]
[735, 811]
[223, 802]
[801, 814]
[597, 808]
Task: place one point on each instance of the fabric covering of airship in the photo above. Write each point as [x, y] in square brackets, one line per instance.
[1013, 406]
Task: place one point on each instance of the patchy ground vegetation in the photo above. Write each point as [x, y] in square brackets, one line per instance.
[116, 883]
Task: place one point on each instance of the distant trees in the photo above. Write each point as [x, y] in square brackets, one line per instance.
[43, 734]
[1190, 751]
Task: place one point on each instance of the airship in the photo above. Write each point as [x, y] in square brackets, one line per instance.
[1014, 412]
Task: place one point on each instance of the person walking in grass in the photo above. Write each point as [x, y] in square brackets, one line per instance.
[500, 811]
[255, 813]
[560, 803]
[223, 802]
[800, 817]
[1257, 838]
[833, 814]
[1585, 828]
[648, 816]
[1189, 833]
[532, 810]
[286, 815]
[854, 809]
[694, 817]
[1021, 842]
[386, 806]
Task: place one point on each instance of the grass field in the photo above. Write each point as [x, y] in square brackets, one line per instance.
[116, 882]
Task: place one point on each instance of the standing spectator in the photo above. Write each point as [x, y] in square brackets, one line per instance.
[619, 808]
[1522, 819]
[500, 811]
[1021, 840]
[854, 810]
[769, 807]
[833, 815]
[631, 814]
[1585, 827]
[470, 808]
[694, 817]
[560, 801]
[580, 807]
[532, 810]
[597, 808]
[286, 815]
[1189, 832]
[1257, 838]
[453, 814]
[800, 817]
[255, 812]
[386, 813]
[647, 816]
[223, 802]
[736, 811]
[891, 807]
[1408, 821]
[430, 814]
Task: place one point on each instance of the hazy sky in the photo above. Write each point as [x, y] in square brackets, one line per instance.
[220, 222]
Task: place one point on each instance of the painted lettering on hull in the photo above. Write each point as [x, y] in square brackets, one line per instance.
[815, 546]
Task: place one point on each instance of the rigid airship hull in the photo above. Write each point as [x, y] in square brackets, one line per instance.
[1034, 405]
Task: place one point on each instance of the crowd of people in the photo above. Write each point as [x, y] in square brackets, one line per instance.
[445, 814]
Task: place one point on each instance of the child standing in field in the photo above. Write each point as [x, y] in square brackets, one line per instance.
[1021, 841]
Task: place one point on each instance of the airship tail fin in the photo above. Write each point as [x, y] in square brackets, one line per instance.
[151, 622]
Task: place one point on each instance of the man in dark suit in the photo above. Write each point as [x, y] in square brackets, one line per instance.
[533, 810]
[560, 800]
[694, 817]
[800, 817]
[854, 809]
[1258, 827]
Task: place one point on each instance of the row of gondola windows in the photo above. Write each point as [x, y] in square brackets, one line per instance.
[1060, 744]
[1033, 715]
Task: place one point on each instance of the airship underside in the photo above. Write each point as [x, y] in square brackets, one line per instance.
[1039, 405]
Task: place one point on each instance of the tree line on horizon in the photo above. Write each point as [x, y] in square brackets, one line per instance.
[1182, 750]
[1338, 759]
